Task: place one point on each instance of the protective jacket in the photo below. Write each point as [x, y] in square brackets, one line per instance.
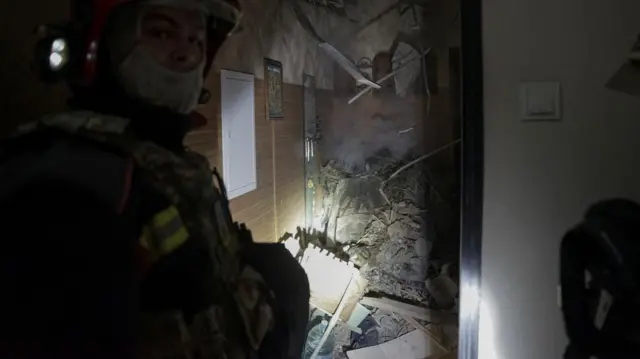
[149, 229]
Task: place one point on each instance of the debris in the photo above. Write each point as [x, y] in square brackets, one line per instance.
[342, 335]
[357, 317]
[379, 16]
[313, 341]
[407, 130]
[397, 230]
[372, 332]
[401, 308]
[334, 320]
[443, 290]
[415, 345]
[390, 240]
[421, 158]
[348, 65]
[436, 338]
[425, 80]
[387, 76]
[393, 250]
[320, 265]
[401, 260]
[342, 60]
[351, 228]
[359, 254]
[407, 71]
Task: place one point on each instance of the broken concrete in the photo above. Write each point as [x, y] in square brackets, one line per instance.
[351, 228]
[387, 241]
[407, 68]
[443, 290]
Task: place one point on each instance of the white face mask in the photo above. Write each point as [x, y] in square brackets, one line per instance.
[142, 77]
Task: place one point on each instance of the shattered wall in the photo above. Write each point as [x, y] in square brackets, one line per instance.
[362, 38]
[270, 29]
[372, 129]
[389, 123]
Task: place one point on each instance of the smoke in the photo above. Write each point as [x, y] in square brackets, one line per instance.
[372, 128]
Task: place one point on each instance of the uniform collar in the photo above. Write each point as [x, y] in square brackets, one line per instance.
[148, 123]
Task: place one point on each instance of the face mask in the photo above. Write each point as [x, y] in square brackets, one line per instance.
[142, 77]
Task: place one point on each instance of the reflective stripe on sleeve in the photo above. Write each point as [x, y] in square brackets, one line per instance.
[164, 233]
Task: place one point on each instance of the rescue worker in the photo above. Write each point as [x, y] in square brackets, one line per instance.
[118, 241]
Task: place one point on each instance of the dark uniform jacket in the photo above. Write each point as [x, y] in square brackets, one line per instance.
[119, 244]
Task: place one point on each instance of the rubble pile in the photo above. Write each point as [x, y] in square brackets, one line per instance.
[379, 220]
[382, 228]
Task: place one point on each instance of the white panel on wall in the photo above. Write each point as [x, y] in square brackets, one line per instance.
[238, 133]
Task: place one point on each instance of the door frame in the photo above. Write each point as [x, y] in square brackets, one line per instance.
[310, 176]
[472, 178]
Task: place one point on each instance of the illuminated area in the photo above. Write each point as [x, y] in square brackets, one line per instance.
[293, 246]
[59, 45]
[487, 331]
[328, 276]
[59, 54]
[55, 60]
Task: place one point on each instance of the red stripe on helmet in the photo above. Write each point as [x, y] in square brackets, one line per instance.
[100, 10]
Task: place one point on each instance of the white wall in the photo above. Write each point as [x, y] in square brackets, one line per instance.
[540, 177]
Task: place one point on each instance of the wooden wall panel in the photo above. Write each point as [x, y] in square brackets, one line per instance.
[289, 164]
[256, 208]
[270, 210]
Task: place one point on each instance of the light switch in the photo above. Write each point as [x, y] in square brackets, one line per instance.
[540, 101]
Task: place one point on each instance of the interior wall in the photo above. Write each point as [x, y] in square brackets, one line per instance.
[277, 205]
[23, 97]
[541, 177]
[272, 30]
[256, 208]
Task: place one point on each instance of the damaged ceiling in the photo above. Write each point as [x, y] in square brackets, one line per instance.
[358, 29]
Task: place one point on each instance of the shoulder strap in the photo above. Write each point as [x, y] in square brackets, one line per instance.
[77, 121]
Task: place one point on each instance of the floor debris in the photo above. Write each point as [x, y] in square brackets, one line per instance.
[443, 290]
[401, 308]
[415, 345]
[390, 241]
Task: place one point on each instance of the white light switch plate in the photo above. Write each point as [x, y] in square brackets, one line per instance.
[540, 101]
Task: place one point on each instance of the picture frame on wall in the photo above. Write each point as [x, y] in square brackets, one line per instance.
[273, 77]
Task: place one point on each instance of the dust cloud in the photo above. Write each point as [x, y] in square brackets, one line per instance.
[377, 127]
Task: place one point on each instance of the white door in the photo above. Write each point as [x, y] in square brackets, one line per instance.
[238, 133]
